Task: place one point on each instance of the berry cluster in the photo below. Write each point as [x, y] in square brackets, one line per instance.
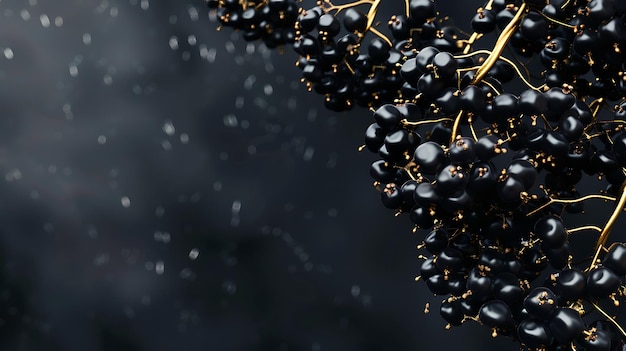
[490, 171]
[271, 21]
[339, 62]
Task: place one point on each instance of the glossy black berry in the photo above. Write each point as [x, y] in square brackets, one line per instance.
[565, 325]
[540, 303]
[615, 259]
[495, 314]
[534, 333]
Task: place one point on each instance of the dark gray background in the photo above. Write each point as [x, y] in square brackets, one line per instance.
[170, 187]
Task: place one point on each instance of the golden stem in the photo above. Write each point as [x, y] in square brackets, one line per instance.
[566, 25]
[472, 39]
[328, 6]
[503, 39]
[455, 126]
[408, 123]
[594, 259]
[380, 35]
[492, 87]
[371, 15]
[571, 201]
[611, 319]
[471, 125]
[604, 235]
[519, 73]
[473, 53]
[617, 121]
[585, 227]
[510, 62]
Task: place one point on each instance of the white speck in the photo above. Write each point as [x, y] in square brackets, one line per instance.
[230, 47]
[235, 209]
[107, 79]
[125, 201]
[145, 4]
[159, 268]
[32, 2]
[184, 138]
[211, 54]
[230, 120]
[308, 153]
[166, 145]
[192, 40]
[86, 38]
[186, 273]
[250, 47]
[249, 82]
[268, 90]
[58, 21]
[45, 21]
[114, 12]
[25, 14]
[193, 13]
[168, 128]
[355, 291]
[12, 175]
[163, 237]
[102, 140]
[193, 254]
[173, 43]
[239, 102]
[73, 70]
[8, 53]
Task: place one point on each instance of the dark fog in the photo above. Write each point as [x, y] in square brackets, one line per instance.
[168, 186]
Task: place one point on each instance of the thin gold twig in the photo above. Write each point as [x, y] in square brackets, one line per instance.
[503, 39]
[604, 235]
[571, 201]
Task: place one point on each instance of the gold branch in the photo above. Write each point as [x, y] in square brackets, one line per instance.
[503, 39]
[604, 235]
[571, 201]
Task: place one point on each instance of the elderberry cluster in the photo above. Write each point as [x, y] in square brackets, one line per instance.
[338, 60]
[271, 21]
[489, 171]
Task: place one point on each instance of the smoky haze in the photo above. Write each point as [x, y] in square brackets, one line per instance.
[168, 186]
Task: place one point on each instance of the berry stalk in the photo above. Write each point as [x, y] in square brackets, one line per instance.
[499, 46]
[604, 236]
